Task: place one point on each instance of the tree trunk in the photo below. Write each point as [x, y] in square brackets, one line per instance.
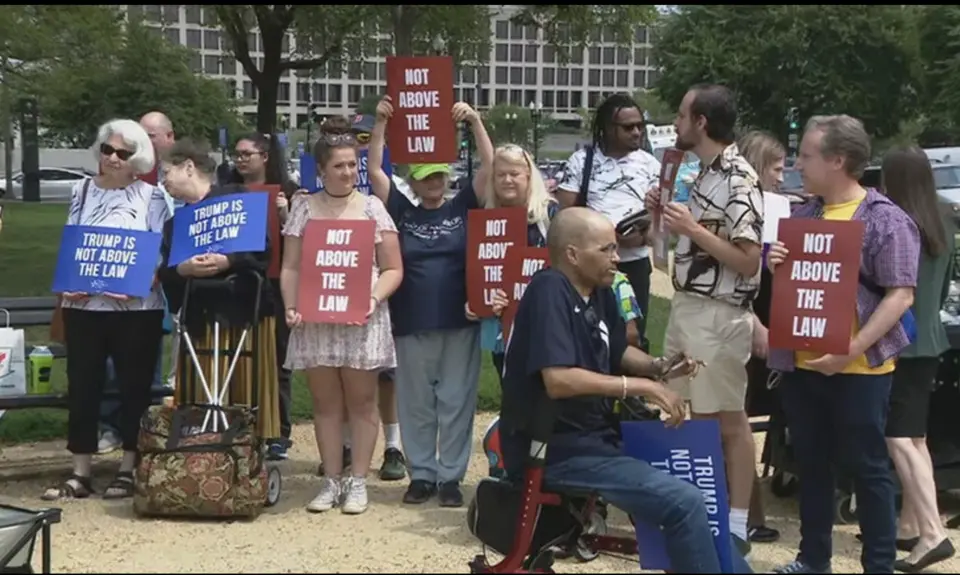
[269, 85]
[403, 17]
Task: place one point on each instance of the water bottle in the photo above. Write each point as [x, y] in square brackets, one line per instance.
[41, 365]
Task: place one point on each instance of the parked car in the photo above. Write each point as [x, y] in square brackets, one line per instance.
[56, 184]
[946, 178]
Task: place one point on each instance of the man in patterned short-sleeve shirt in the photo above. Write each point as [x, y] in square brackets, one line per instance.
[716, 278]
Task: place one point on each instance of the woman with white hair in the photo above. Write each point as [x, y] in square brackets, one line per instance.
[98, 326]
[511, 179]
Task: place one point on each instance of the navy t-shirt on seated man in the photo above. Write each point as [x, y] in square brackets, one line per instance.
[434, 248]
[557, 327]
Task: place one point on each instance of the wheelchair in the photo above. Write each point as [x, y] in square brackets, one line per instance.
[532, 522]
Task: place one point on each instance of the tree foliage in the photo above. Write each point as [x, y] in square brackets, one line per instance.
[338, 34]
[509, 124]
[823, 59]
[938, 36]
[144, 73]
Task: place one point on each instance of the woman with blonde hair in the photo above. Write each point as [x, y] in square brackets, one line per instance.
[767, 156]
[511, 179]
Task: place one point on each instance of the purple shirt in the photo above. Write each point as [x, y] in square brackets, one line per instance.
[889, 256]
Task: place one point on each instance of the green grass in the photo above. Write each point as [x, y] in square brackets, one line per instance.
[28, 250]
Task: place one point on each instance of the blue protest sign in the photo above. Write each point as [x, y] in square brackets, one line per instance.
[97, 260]
[693, 453]
[309, 179]
[223, 137]
[221, 225]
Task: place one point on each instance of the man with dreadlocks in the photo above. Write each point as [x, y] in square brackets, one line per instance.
[612, 176]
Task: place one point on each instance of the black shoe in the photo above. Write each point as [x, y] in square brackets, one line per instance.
[394, 466]
[419, 491]
[743, 547]
[347, 458]
[763, 534]
[941, 552]
[905, 545]
[450, 494]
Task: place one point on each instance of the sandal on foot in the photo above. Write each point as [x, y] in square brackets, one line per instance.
[75, 487]
[121, 486]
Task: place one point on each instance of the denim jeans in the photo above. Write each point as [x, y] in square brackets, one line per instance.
[594, 462]
[109, 408]
[836, 424]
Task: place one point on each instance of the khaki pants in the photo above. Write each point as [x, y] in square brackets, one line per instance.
[720, 335]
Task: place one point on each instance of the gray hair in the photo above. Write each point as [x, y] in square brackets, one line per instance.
[844, 136]
[133, 135]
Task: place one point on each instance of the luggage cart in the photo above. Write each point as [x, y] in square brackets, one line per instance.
[217, 386]
[18, 537]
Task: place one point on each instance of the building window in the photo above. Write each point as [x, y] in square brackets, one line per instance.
[502, 29]
[529, 96]
[193, 14]
[211, 39]
[623, 56]
[353, 94]
[531, 33]
[283, 95]
[576, 78]
[652, 77]
[151, 13]
[468, 75]
[640, 35]
[228, 66]
[640, 56]
[607, 81]
[196, 63]
[530, 53]
[370, 71]
[530, 76]
[503, 52]
[303, 93]
[172, 35]
[516, 31]
[609, 56]
[639, 78]
[516, 97]
[623, 79]
[516, 75]
[501, 75]
[369, 91]
[336, 94]
[252, 42]
[249, 90]
[468, 96]
[593, 77]
[211, 65]
[354, 71]
[548, 102]
[193, 39]
[548, 76]
[516, 53]
[484, 75]
[563, 102]
[501, 97]
[594, 54]
[576, 99]
[319, 93]
[484, 97]
[563, 76]
[549, 54]
[230, 86]
[593, 98]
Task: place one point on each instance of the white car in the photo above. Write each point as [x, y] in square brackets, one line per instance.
[56, 184]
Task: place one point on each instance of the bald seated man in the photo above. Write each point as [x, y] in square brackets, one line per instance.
[569, 342]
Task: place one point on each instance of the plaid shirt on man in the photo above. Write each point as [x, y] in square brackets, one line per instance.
[890, 256]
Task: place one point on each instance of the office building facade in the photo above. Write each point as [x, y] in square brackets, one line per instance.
[521, 68]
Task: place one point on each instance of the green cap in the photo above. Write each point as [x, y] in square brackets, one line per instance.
[422, 171]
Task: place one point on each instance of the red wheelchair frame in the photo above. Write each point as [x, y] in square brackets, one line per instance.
[588, 545]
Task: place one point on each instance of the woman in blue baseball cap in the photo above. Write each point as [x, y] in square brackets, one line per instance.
[438, 349]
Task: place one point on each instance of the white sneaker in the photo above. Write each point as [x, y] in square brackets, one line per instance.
[109, 441]
[354, 496]
[328, 498]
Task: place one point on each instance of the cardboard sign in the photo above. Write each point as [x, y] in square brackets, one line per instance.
[336, 266]
[310, 178]
[693, 453]
[225, 224]
[776, 207]
[672, 160]
[96, 260]
[815, 289]
[273, 227]
[490, 235]
[422, 130]
[518, 268]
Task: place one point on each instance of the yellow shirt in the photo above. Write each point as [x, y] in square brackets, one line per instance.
[859, 366]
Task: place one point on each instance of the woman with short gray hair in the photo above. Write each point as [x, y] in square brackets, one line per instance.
[98, 326]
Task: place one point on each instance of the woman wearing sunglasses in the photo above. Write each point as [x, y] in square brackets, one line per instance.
[438, 349]
[128, 329]
[342, 361]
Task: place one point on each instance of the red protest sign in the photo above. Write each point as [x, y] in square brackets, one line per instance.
[336, 267]
[489, 235]
[672, 158]
[273, 227]
[422, 130]
[815, 289]
[517, 270]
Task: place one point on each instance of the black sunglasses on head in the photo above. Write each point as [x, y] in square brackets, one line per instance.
[108, 150]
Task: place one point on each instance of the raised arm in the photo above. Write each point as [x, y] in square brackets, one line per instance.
[379, 180]
[462, 112]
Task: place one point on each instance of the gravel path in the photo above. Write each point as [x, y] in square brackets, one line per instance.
[100, 537]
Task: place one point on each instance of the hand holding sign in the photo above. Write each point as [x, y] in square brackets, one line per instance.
[107, 261]
[336, 269]
[518, 268]
[490, 235]
[222, 225]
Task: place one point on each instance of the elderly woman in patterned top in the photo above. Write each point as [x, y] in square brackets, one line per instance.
[127, 329]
